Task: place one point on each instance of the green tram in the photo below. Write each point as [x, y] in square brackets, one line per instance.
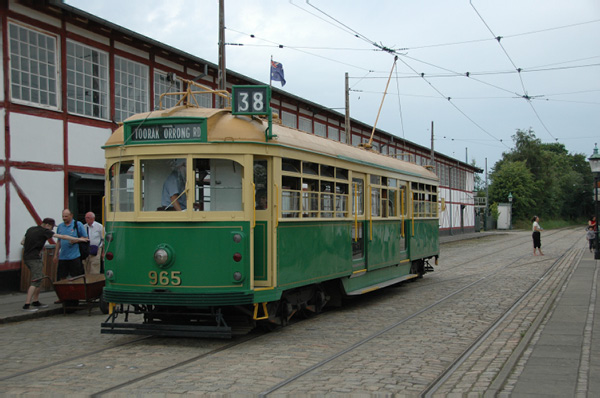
[268, 221]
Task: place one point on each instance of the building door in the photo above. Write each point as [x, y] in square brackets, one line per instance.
[85, 194]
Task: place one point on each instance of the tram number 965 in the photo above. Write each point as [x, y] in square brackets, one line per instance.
[163, 278]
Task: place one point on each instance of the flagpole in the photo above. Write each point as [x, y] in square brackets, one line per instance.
[270, 74]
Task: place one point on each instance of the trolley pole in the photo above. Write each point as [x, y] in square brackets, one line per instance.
[347, 120]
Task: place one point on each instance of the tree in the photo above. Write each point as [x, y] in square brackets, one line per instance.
[516, 179]
[560, 184]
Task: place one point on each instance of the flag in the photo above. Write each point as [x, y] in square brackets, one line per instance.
[277, 72]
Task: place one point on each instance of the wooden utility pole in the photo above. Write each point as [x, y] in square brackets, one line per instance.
[222, 78]
[347, 120]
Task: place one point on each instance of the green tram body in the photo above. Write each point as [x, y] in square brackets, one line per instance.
[268, 264]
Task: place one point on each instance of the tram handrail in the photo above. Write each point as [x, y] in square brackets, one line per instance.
[355, 212]
[370, 213]
[254, 208]
[276, 206]
[402, 210]
[412, 213]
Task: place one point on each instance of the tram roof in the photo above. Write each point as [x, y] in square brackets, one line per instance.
[222, 126]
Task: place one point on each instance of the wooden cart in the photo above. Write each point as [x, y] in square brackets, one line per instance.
[82, 289]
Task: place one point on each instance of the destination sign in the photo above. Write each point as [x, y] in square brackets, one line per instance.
[167, 132]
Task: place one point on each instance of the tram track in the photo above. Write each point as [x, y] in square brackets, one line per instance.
[73, 358]
[426, 283]
[505, 244]
[241, 340]
[442, 378]
[429, 307]
[205, 356]
[348, 350]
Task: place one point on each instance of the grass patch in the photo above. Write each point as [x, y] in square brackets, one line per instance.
[550, 224]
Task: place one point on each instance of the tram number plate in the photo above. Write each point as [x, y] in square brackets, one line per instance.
[251, 100]
[165, 278]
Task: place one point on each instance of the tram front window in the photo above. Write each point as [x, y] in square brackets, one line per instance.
[164, 184]
[218, 185]
[121, 186]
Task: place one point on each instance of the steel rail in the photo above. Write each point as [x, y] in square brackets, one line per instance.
[442, 378]
[393, 326]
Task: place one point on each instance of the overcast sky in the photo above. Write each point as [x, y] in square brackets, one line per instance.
[554, 43]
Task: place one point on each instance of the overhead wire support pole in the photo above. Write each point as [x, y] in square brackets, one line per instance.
[222, 79]
[370, 143]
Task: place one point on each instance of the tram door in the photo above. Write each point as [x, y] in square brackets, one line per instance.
[263, 231]
[358, 224]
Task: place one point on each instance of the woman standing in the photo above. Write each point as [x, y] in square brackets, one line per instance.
[537, 240]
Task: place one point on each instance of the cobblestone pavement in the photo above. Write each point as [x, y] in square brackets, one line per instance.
[405, 360]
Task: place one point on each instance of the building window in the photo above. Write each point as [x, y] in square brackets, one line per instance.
[131, 88]
[166, 83]
[202, 96]
[87, 81]
[343, 136]
[305, 124]
[288, 119]
[334, 134]
[33, 67]
[320, 129]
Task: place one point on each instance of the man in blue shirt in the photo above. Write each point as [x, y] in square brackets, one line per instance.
[67, 254]
[173, 194]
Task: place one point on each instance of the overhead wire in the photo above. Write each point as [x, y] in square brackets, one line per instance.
[396, 53]
[326, 17]
[253, 36]
[525, 95]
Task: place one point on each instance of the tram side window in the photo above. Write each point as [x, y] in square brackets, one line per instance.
[290, 197]
[218, 185]
[163, 184]
[121, 186]
[358, 196]
[424, 200]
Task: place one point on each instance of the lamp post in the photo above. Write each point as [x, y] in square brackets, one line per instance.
[510, 197]
[595, 166]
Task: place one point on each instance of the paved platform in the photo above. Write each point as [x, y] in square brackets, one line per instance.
[11, 307]
[563, 360]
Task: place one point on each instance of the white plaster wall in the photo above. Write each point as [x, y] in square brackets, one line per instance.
[2, 147]
[2, 219]
[85, 145]
[31, 13]
[86, 33]
[45, 190]
[1, 72]
[36, 139]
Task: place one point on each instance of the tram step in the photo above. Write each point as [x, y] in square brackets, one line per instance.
[382, 285]
[222, 332]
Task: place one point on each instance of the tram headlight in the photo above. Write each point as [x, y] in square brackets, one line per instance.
[237, 276]
[161, 257]
[110, 275]
[164, 256]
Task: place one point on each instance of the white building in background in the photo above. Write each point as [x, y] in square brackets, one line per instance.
[68, 78]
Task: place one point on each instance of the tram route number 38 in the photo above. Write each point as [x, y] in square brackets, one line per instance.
[251, 100]
[165, 278]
